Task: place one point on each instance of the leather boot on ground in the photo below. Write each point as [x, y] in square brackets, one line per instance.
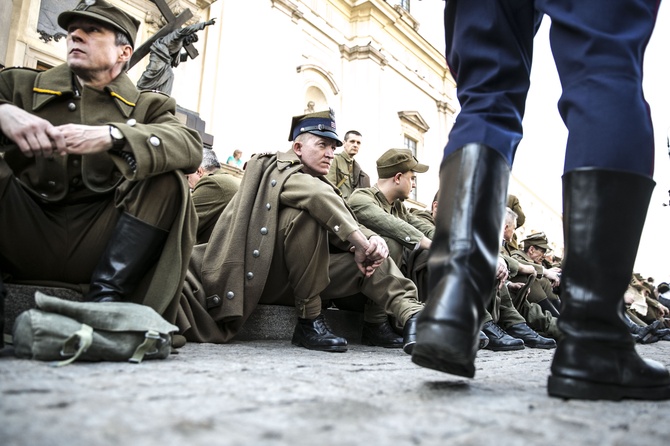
[463, 259]
[483, 340]
[499, 340]
[131, 251]
[409, 334]
[315, 334]
[530, 337]
[596, 359]
[380, 335]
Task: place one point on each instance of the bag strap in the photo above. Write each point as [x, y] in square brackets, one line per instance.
[148, 346]
[76, 344]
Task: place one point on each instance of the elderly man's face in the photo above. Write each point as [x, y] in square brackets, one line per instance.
[315, 152]
[536, 253]
[91, 47]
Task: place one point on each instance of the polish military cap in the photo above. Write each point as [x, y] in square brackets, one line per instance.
[398, 160]
[104, 12]
[538, 239]
[320, 123]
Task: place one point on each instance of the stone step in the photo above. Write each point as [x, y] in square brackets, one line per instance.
[268, 322]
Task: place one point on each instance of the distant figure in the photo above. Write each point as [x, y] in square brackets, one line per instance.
[165, 55]
[235, 159]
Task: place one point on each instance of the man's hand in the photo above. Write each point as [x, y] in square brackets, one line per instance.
[368, 254]
[85, 139]
[502, 273]
[33, 135]
[553, 275]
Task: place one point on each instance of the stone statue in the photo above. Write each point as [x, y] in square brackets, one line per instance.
[165, 54]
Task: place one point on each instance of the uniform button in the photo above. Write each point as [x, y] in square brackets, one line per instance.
[407, 239]
[75, 162]
[72, 106]
[250, 275]
[216, 300]
[268, 206]
[230, 294]
[51, 183]
[264, 231]
[273, 183]
[155, 141]
[256, 253]
[336, 228]
[131, 122]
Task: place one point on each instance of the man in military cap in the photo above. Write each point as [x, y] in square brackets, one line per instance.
[381, 209]
[92, 184]
[288, 237]
[345, 172]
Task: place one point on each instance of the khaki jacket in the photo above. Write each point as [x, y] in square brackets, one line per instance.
[156, 139]
[339, 174]
[236, 261]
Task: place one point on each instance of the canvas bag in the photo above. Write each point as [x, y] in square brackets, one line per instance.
[66, 331]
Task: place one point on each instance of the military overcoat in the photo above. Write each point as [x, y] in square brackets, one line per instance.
[156, 140]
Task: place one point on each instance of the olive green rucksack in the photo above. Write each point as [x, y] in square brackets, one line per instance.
[66, 331]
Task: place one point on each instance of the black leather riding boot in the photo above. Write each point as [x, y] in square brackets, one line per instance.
[463, 259]
[3, 293]
[603, 216]
[131, 251]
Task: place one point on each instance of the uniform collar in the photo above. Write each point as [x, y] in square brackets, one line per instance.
[287, 159]
[58, 82]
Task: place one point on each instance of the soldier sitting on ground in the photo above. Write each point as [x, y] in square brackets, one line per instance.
[288, 237]
[212, 189]
[92, 186]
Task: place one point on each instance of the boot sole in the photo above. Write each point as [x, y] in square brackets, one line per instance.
[330, 348]
[505, 348]
[437, 348]
[571, 388]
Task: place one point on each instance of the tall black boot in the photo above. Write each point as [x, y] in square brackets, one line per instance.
[3, 293]
[131, 251]
[603, 216]
[463, 259]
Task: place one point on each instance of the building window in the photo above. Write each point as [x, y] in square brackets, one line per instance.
[404, 4]
[411, 145]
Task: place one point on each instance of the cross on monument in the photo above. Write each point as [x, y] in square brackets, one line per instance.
[173, 22]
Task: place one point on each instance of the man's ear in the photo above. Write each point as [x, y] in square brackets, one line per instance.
[297, 148]
[397, 176]
[126, 53]
[200, 172]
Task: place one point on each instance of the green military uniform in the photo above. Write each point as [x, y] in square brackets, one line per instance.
[211, 195]
[347, 175]
[59, 212]
[282, 239]
[536, 318]
[400, 228]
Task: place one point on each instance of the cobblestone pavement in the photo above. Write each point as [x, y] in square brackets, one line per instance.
[271, 393]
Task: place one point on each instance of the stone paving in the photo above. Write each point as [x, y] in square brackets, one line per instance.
[269, 392]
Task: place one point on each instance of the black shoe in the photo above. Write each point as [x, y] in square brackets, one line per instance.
[409, 334]
[483, 340]
[380, 335]
[499, 341]
[315, 334]
[530, 337]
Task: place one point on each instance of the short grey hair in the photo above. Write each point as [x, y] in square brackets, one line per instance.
[209, 160]
[511, 217]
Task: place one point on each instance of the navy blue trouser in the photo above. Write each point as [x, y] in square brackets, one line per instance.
[598, 47]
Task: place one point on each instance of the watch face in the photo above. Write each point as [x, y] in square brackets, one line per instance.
[116, 133]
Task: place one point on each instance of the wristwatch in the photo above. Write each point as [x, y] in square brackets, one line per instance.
[118, 139]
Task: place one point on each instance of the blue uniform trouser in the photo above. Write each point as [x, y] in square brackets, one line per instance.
[598, 47]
